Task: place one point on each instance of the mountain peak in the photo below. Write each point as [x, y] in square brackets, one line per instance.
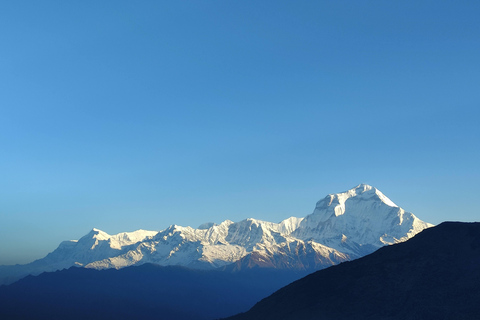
[362, 187]
[364, 215]
[363, 191]
[98, 234]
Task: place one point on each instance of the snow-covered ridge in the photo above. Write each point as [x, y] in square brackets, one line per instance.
[120, 240]
[343, 226]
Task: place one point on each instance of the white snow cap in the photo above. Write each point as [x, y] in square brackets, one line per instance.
[362, 191]
[363, 188]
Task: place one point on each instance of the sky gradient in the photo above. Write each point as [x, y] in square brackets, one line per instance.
[126, 115]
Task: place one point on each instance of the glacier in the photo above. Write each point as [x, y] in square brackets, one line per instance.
[342, 227]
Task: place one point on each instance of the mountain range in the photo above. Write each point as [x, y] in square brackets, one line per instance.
[435, 275]
[342, 227]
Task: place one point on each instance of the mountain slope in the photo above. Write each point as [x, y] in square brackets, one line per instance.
[343, 226]
[435, 275]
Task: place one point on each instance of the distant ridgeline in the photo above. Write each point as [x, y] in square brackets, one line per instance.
[343, 226]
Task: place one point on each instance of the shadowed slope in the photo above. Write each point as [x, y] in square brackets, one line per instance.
[144, 292]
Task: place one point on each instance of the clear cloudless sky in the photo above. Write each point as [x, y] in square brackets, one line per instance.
[126, 115]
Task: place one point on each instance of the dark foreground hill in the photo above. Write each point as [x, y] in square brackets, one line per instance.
[435, 275]
[144, 292]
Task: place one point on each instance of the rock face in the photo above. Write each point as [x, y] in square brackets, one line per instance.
[435, 275]
[343, 226]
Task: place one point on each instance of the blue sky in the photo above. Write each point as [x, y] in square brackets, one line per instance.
[124, 115]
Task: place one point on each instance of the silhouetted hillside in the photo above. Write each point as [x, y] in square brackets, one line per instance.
[435, 275]
[147, 291]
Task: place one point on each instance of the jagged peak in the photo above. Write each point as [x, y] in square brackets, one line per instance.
[362, 187]
[97, 234]
[116, 241]
[359, 190]
[365, 188]
[362, 192]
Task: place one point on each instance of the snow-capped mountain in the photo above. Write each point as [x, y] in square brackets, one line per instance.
[342, 227]
[358, 222]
